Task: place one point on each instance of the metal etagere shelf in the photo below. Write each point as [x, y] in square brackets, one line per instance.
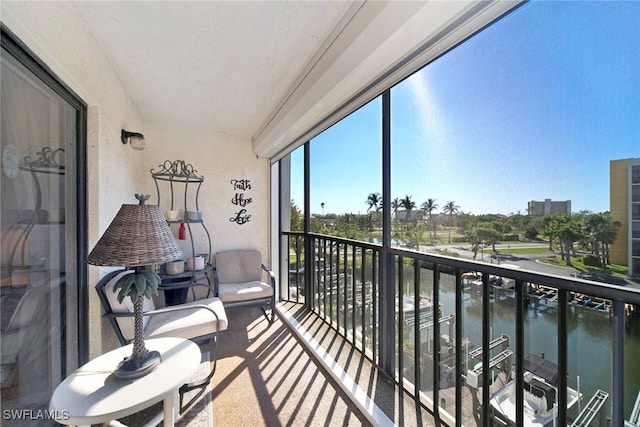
[183, 179]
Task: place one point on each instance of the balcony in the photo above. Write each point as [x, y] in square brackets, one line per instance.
[333, 358]
[516, 317]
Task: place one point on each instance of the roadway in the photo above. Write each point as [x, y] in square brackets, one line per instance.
[525, 261]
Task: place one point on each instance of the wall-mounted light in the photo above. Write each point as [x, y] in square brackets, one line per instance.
[135, 139]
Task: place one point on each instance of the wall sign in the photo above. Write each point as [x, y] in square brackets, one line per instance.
[241, 201]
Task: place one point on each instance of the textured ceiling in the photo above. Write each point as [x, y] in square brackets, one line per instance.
[223, 66]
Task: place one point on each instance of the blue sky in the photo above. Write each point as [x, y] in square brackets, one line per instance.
[533, 107]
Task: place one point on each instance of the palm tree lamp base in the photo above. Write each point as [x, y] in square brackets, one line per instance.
[131, 368]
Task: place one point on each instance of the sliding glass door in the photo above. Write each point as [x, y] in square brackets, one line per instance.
[41, 185]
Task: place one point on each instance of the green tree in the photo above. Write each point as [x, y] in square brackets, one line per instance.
[564, 231]
[429, 206]
[489, 234]
[317, 225]
[396, 235]
[297, 219]
[395, 204]
[450, 208]
[364, 224]
[520, 222]
[296, 224]
[465, 222]
[347, 224]
[568, 233]
[413, 234]
[550, 226]
[501, 228]
[481, 236]
[531, 232]
[609, 236]
[373, 201]
[599, 232]
[408, 204]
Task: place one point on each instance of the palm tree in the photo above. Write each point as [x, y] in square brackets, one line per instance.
[395, 204]
[429, 206]
[322, 206]
[373, 200]
[609, 235]
[408, 204]
[450, 209]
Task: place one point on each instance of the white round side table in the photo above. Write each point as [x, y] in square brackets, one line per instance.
[92, 394]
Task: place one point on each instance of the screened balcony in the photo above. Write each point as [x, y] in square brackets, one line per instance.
[446, 332]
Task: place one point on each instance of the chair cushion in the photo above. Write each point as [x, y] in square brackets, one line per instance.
[124, 323]
[238, 266]
[231, 292]
[188, 324]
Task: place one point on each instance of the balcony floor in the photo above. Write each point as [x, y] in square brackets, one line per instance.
[264, 377]
[285, 374]
[267, 376]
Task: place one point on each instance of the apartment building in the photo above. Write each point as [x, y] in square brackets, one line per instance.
[549, 207]
[625, 207]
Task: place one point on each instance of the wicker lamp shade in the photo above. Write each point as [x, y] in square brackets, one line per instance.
[138, 235]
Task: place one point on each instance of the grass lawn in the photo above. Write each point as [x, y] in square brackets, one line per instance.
[576, 262]
[613, 270]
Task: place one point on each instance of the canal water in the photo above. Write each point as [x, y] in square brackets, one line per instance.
[590, 343]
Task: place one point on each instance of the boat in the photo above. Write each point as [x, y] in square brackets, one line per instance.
[540, 394]
[471, 278]
[501, 283]
[425, 308]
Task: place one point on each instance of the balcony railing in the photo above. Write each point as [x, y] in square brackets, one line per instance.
[464, 337]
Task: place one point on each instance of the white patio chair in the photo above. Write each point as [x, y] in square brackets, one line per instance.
[238, 281]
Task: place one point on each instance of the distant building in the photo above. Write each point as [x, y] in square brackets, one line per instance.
[624, 205]
[549, 207]
[413, 214]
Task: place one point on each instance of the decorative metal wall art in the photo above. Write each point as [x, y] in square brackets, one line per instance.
[241, 201]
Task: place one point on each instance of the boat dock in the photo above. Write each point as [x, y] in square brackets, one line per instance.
[500, 363]
[592, 409]
[540, 295]
[634, 419]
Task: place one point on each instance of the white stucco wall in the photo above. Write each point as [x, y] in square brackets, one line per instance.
[220, 159]
[57, 35]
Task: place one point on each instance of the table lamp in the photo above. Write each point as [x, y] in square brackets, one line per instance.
[138, 236]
